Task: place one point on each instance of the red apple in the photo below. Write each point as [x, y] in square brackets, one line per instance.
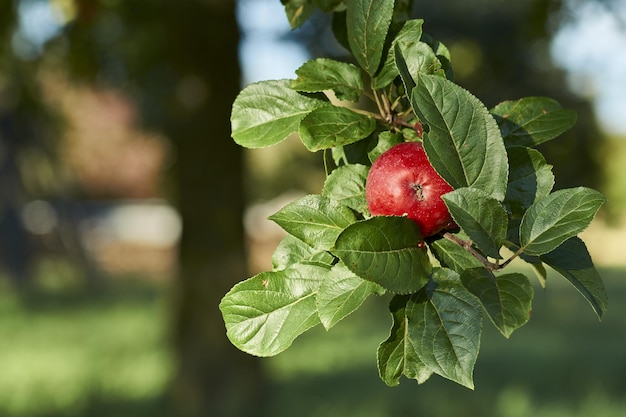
[402, 182]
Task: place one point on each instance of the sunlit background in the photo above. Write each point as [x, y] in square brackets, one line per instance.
[89, 251]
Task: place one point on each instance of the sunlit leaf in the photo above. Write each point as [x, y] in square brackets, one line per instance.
[464, 143]
[557, 217]
[331, 126]
[385, 250]
[292, 250]
[410, 30]
[298, 11]
[367, 25]
[532, 120]
[346, 184]
[323, 74]
[265, 113]
[341, 293]
[265, 313]
[314, 219]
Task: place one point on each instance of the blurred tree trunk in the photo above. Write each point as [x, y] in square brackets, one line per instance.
[180, 57]
[213, 378]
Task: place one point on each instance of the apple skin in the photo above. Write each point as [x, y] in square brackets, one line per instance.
[402, 182]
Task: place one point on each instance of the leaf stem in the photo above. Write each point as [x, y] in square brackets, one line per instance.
[369, 113]
[467, 245]
[490, 266]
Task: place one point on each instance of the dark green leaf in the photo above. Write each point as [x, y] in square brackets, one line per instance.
[292, 250]
[328, 5]
[314, 219]
[481, 217]
[453, 256]
[346, 185]
[367, 24]
[448, 325]
[326, 74]
[398, 354]
[341, 293]
[555, 218]
[332, 126]
[532, 120]
[265, 313]
[464, 144]
[572, 260]
[340, 29]
[507, 299]
[410, 30]
[354, 153]
[265, 113]
[385, 250]
[530, 178]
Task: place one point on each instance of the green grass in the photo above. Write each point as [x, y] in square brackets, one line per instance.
[562, 363]
[61, 353]
[66, 354]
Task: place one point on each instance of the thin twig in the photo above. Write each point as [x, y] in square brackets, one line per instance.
[467, 245]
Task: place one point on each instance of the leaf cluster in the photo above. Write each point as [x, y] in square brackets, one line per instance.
[400, 87]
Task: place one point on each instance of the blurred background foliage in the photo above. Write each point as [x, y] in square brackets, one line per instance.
[126, 212]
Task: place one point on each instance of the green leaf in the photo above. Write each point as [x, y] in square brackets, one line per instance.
[346, 185]
[367, 24]
[298, 11]
[314, 219]
[572, 260]
[530, 178]
[451, 325]
[532, 120]
[408, 78]
[418, 57]
[443, 54]
[385, 250]
[410, 30]
[354, 153]
[332, 126]
[341, 293]
[464, 143]
[507, 298]
[339, 28]
[453, 256]
[265, 313]
[398, 354]
[555, 218]
[265, 113]
[328, 6]
[384, 142]
[292, 250]
[326, 74]
[481, 217]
